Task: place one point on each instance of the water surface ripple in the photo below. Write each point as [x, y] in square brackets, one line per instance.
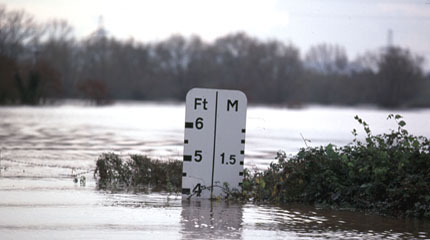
[41, 147]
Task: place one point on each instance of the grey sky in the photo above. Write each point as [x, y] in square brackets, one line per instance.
[359, 26]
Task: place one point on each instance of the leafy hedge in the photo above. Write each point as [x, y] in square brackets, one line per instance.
[387, 173]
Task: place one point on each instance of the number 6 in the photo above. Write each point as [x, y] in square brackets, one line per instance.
[199, 123]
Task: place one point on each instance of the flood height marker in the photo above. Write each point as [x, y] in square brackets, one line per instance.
[214, 142]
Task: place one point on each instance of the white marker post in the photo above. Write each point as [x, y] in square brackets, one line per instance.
[214, 142]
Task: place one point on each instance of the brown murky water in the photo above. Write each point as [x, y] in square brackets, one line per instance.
[42, 147]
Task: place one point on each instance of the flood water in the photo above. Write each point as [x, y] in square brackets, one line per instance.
[42, 146]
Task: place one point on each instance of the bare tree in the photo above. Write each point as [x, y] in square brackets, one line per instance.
[327, 58]
[42, 61]
[17, 28]
[59, 49]
[400, 76]
[58, 30]
[8, 91]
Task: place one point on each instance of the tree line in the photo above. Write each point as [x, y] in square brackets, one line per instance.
[43, 62]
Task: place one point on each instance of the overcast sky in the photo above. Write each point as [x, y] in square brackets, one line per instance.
[357, 25]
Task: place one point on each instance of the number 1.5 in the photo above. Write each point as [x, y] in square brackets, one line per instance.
[232, 160]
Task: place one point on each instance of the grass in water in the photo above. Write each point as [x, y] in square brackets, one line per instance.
[137, 173]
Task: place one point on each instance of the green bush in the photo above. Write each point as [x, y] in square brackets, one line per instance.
[387, 173]
[138, 173]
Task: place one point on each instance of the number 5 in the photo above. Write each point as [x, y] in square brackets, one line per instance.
[232, 159]
[198, 156]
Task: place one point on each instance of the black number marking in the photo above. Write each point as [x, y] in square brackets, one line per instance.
[198, 156]
[197, 189]
[199, 123]
[232, 159]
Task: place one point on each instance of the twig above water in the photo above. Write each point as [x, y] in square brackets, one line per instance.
[305, 140]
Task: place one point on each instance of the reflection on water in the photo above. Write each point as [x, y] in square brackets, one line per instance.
[211, 219]
[41, 147]
[74, 136]
[59, 209]
[301, 221]
[46, 208]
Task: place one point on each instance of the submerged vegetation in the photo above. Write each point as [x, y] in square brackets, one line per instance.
[386, 173]
[137, 173]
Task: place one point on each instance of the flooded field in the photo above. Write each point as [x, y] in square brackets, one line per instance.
[42, 147]
[52, 208]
